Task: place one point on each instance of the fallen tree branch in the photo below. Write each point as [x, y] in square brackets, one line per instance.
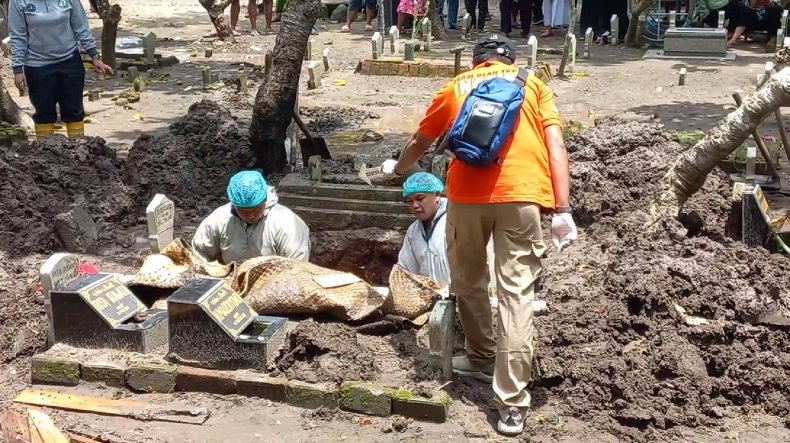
[688, 173]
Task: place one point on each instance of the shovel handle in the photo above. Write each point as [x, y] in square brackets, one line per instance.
[303, 128]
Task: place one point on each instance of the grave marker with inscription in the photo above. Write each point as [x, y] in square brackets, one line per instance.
[212, 326]
[56, 272]
[160, 214]
[149, 47]
[99, 311]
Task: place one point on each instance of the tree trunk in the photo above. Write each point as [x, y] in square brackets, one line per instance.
[110, 17]
[216, 9]
[274, 102]
[10, 112]
[638, 7]
[438, 31]
[691, 168]
[576, 6]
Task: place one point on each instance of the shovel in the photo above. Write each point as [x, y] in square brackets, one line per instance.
[310, 146]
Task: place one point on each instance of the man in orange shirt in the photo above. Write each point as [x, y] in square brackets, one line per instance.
[504, 199]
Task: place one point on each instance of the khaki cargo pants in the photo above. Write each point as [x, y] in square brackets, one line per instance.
[518, 247]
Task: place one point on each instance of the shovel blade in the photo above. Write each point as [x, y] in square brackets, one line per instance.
[309, 150]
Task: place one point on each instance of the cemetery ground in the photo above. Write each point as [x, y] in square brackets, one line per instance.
[611, 331]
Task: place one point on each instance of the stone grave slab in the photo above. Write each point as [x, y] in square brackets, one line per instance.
[160, 215]
[99, 311]
[56, 272]
[441, 335]
[695, 41]
[212, 326]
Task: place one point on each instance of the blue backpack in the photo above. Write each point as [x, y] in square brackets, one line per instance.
[486, 120]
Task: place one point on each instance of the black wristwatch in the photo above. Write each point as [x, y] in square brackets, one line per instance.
[562, 210]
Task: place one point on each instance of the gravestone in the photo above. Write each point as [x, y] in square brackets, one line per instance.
[133, 73]
[589, 35]
[206, 77]
[56, 272]
[768, 70]
[720, 22]
[215, 77]
[212, 326]
[394, 35]
[408, 50]
[325, 58]
[99, 311]
[780, 38]
[375, 46]
[441, 337]
[682, 77]
[783, 23]
[572, 52]
[467, 23]
[209, 52]
[315, 70]
[160, 215]
[614, 24]
[241, 79]
[149, 47]
[673, 19]
[707, 42]
[532, 51]
[314, 168]
[428, 33]
[268, 61]
[308, 54]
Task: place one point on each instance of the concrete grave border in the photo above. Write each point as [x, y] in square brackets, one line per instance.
[156, 376]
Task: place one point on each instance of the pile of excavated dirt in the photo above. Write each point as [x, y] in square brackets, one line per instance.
[647, 334]
[326, 352]
[369, 253]
[46, 178]
[323, 120]
[192, 162]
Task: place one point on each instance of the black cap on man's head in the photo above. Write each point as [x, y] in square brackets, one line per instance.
[494, 44]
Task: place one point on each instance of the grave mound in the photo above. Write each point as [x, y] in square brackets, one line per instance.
[192, 162]
[620, 346]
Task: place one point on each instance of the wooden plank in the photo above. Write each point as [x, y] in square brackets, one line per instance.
[46, 429]
[14, 426]
[107, 406]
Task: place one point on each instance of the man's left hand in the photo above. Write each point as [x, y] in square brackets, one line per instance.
[388, 166]
[563, 230]
[102, 68]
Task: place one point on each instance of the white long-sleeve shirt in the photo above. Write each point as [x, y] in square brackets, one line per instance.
[224, 237]
[425, 252]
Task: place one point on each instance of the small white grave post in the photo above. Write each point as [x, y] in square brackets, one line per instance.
[780, 38]
[572, 62]
[673, 19]
[532, 51]
[149, 47]
[160, 214]
[428, 33]
[588, 41]
[467, 26]
[682, 77]
[614, 24]
[394, 35]
[315, 70]
[308, 53]
[720, 23]
[58, 270]
[783, 24]
[375, 45]
[325, 58]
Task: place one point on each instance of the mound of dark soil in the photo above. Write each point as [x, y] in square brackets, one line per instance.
[46, 178]
[323, 120]
[617, 345]
[326, 352]
[193, 162]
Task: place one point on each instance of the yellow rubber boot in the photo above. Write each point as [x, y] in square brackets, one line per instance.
[44, 129]
[75, 129]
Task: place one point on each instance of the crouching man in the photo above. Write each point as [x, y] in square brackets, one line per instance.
[252, 225]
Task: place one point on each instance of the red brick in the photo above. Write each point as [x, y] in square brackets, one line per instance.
[251, 384]
[433, 70]
[424, 70]
[205, 380]
[414, 70]
[365, 67]
[375, 68]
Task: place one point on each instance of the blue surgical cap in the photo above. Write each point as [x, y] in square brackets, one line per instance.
[247, 189]
[422, 182]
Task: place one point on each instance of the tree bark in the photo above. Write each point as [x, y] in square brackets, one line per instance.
[688, 173]
[216, 10]
[638, 7]
[576, 6]
[10, 112]
[274, 102]
[438, 31]
[110, 16]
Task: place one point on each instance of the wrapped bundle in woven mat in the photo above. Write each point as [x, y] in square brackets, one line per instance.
[174, 266]
[279, 285]
[410, 295]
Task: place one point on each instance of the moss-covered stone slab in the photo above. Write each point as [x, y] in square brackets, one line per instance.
[366, 398]
[52, 370]
[310, 396]
[151, 377]
[421, 408]
[109, 374]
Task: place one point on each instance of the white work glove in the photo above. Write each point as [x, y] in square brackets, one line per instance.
[563, 230]
[388, 167]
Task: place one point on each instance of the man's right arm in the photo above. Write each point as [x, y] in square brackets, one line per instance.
[205, 243]
[555, 145]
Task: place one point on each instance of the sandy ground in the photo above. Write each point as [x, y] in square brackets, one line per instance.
[615, 81]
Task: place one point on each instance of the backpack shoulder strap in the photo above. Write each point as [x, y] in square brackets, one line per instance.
[523, 75]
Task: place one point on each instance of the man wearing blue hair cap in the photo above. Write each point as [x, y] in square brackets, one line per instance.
[252, 225]
[424, 250]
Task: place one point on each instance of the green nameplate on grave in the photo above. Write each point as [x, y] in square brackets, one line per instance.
[111, 300]
[227, 309]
